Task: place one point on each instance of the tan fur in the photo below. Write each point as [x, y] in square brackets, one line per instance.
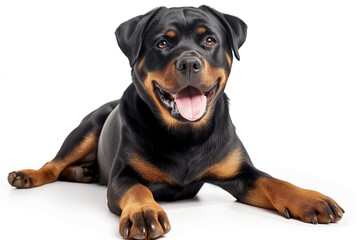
[139, 201]
[166, 78]
[141, 63]
[201, 30]
[277, 194]
[148, 171]
[171, 33]
[227, 168]
[136, 195]
[228, 58]
[51, 170]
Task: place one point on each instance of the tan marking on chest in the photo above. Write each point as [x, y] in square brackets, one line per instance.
[226, 168]
[148, 171]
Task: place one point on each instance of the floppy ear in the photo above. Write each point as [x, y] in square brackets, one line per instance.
[131, 33]
[235, 27]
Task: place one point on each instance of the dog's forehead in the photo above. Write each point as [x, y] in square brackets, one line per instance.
[185, 14]
[183, 19]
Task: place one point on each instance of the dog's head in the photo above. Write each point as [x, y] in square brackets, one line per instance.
[181, 59]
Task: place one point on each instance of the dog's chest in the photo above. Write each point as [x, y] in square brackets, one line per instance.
[186, 166]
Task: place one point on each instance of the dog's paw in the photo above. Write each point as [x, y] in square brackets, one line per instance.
[29, 178]
[311, 207]
[21, 179]
[146, 221]
[84, 173]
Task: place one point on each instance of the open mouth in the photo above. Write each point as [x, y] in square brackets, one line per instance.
[190, 103]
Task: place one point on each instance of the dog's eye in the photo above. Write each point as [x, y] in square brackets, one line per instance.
[162, 44]
[210, 41]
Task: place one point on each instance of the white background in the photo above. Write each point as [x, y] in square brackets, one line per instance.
[294, 99]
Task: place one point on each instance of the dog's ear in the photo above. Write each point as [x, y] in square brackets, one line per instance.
[235, 27]
[131, 33]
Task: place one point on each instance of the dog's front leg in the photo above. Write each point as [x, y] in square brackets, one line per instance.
[140, 216]
[256, 188]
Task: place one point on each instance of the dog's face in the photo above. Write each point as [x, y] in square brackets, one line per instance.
[181, 60]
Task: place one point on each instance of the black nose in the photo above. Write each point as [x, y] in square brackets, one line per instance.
[189, 64]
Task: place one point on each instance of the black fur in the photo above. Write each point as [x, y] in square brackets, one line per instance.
[143, 147]
[134, 126]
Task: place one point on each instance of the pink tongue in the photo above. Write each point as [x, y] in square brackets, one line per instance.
[191, 103]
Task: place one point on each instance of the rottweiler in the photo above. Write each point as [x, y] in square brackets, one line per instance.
[171, 131]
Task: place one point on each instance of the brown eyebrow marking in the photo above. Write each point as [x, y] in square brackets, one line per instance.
[171, 33]
[201, 30]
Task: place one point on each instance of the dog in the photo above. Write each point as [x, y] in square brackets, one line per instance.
[171, 131]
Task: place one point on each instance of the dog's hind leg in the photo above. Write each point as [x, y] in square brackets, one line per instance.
[84, 173]
[79, 147]
[50, 171]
